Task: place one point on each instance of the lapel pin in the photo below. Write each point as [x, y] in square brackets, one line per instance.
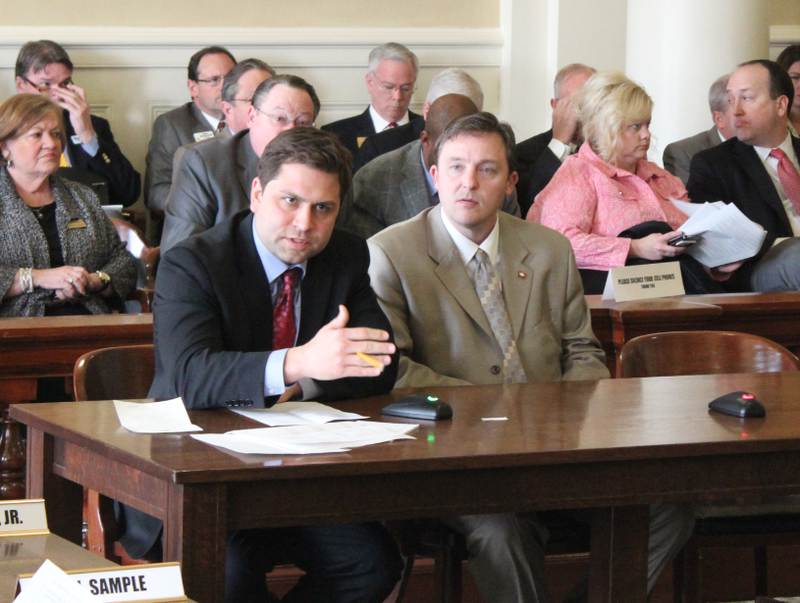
[521, 274]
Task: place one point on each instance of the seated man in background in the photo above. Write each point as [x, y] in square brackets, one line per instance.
[391, 79]
[44, 67]
[449, 81]
[678, 155]
[758, 171]
[197, 120]
[475, 296]
[213, 179]
[270, 305]
[398, 185]
[539, 157]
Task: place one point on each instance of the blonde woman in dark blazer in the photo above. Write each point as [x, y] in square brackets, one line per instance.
[59, 253]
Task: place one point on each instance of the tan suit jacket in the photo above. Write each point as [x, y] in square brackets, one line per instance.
[439, 324]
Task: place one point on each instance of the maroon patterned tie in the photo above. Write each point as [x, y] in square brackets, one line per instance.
[284, 328]
[790, 179]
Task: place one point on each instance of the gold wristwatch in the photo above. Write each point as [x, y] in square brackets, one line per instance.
[105, 278]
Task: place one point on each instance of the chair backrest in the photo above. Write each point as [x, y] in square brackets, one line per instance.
[703, 353]
[124, 372]
[147, 257]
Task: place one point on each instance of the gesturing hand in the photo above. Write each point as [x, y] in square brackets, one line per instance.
[331, 354]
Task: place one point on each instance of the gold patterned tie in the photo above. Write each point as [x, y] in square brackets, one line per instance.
[487, 285]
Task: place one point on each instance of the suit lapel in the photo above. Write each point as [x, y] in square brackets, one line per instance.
[414, 187]
[315, 293]
[451, 270]
[517, 276]
[202, 124]
[253, 288]
[751, 163]
[247, 162]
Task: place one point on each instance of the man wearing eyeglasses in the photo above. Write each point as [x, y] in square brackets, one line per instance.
[44, 67]
[391, 82]
[213, 180]
[197, 120]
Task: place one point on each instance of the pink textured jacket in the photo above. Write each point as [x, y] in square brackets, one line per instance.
[591, 202]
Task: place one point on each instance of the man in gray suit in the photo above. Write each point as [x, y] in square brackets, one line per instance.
[424, 270]
[678, 155]
[214, 179]
[397, 186]
[194, 121]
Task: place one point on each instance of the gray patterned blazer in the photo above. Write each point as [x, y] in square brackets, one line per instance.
[23, 244]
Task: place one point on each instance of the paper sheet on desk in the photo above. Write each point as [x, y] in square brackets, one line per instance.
[50, 584]
[309, 439]
[726, 235]
[154, 417]
[297, 413]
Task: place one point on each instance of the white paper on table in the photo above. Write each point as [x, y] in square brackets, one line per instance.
[154, 417]
[725, 234]
[50, 584]
[297, 413]
[309, 439]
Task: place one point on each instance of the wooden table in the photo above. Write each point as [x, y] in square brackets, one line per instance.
[24, 555]
[31, 348]
[775, 316]
[616, 445]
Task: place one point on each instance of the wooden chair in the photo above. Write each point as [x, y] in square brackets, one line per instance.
[124, 372]
[704, 353]
[147, 259]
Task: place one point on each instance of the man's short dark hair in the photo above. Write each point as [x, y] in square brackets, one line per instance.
[230, 85]
[310, 147]
[479, 124]
[292, 81]
[789, 56]
[780, 84]
[35, 56]
[194, 62]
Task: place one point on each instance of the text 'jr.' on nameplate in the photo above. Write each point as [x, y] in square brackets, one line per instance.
[630, 283]
[23, 517]
[152, 582]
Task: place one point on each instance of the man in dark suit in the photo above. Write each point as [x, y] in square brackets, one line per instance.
[678, 155]
[391, 79]
[269, 306]
[758, 171]
[44, 67]
[195, 121]
[539, 157]
[450, 81]
[398, 185]
[213, 179]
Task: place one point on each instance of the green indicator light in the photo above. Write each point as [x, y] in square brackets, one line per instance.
[432, 399]
[431, 437]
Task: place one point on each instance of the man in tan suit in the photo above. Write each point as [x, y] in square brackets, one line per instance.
[476, 296]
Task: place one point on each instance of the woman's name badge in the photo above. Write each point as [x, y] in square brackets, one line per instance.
[77, 224]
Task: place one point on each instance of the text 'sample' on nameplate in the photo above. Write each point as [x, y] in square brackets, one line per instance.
[152, 582]
[23, 517]
[630, 283]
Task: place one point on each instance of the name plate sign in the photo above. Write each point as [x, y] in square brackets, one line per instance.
[23, 517]
[153, 582]
[630, 283]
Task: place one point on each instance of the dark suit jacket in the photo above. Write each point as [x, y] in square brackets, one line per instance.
[171, 130]
[383, 142]
[678, 155]
[536, 165]
[350, 129]
[213, 327]
[732, 171]
[212, 184]
[124, 182]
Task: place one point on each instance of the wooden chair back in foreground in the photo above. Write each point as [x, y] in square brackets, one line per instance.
[703, 353]
[147, 259]
[124, 372]
[706, 353]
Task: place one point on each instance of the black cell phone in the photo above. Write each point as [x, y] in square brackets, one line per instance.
[682, 241]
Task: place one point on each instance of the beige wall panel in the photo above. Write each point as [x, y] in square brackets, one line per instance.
[253, 13]
[784, 12]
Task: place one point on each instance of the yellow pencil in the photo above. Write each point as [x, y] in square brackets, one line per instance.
[370, 359]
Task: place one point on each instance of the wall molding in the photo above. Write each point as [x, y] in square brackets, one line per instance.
[784, 35]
